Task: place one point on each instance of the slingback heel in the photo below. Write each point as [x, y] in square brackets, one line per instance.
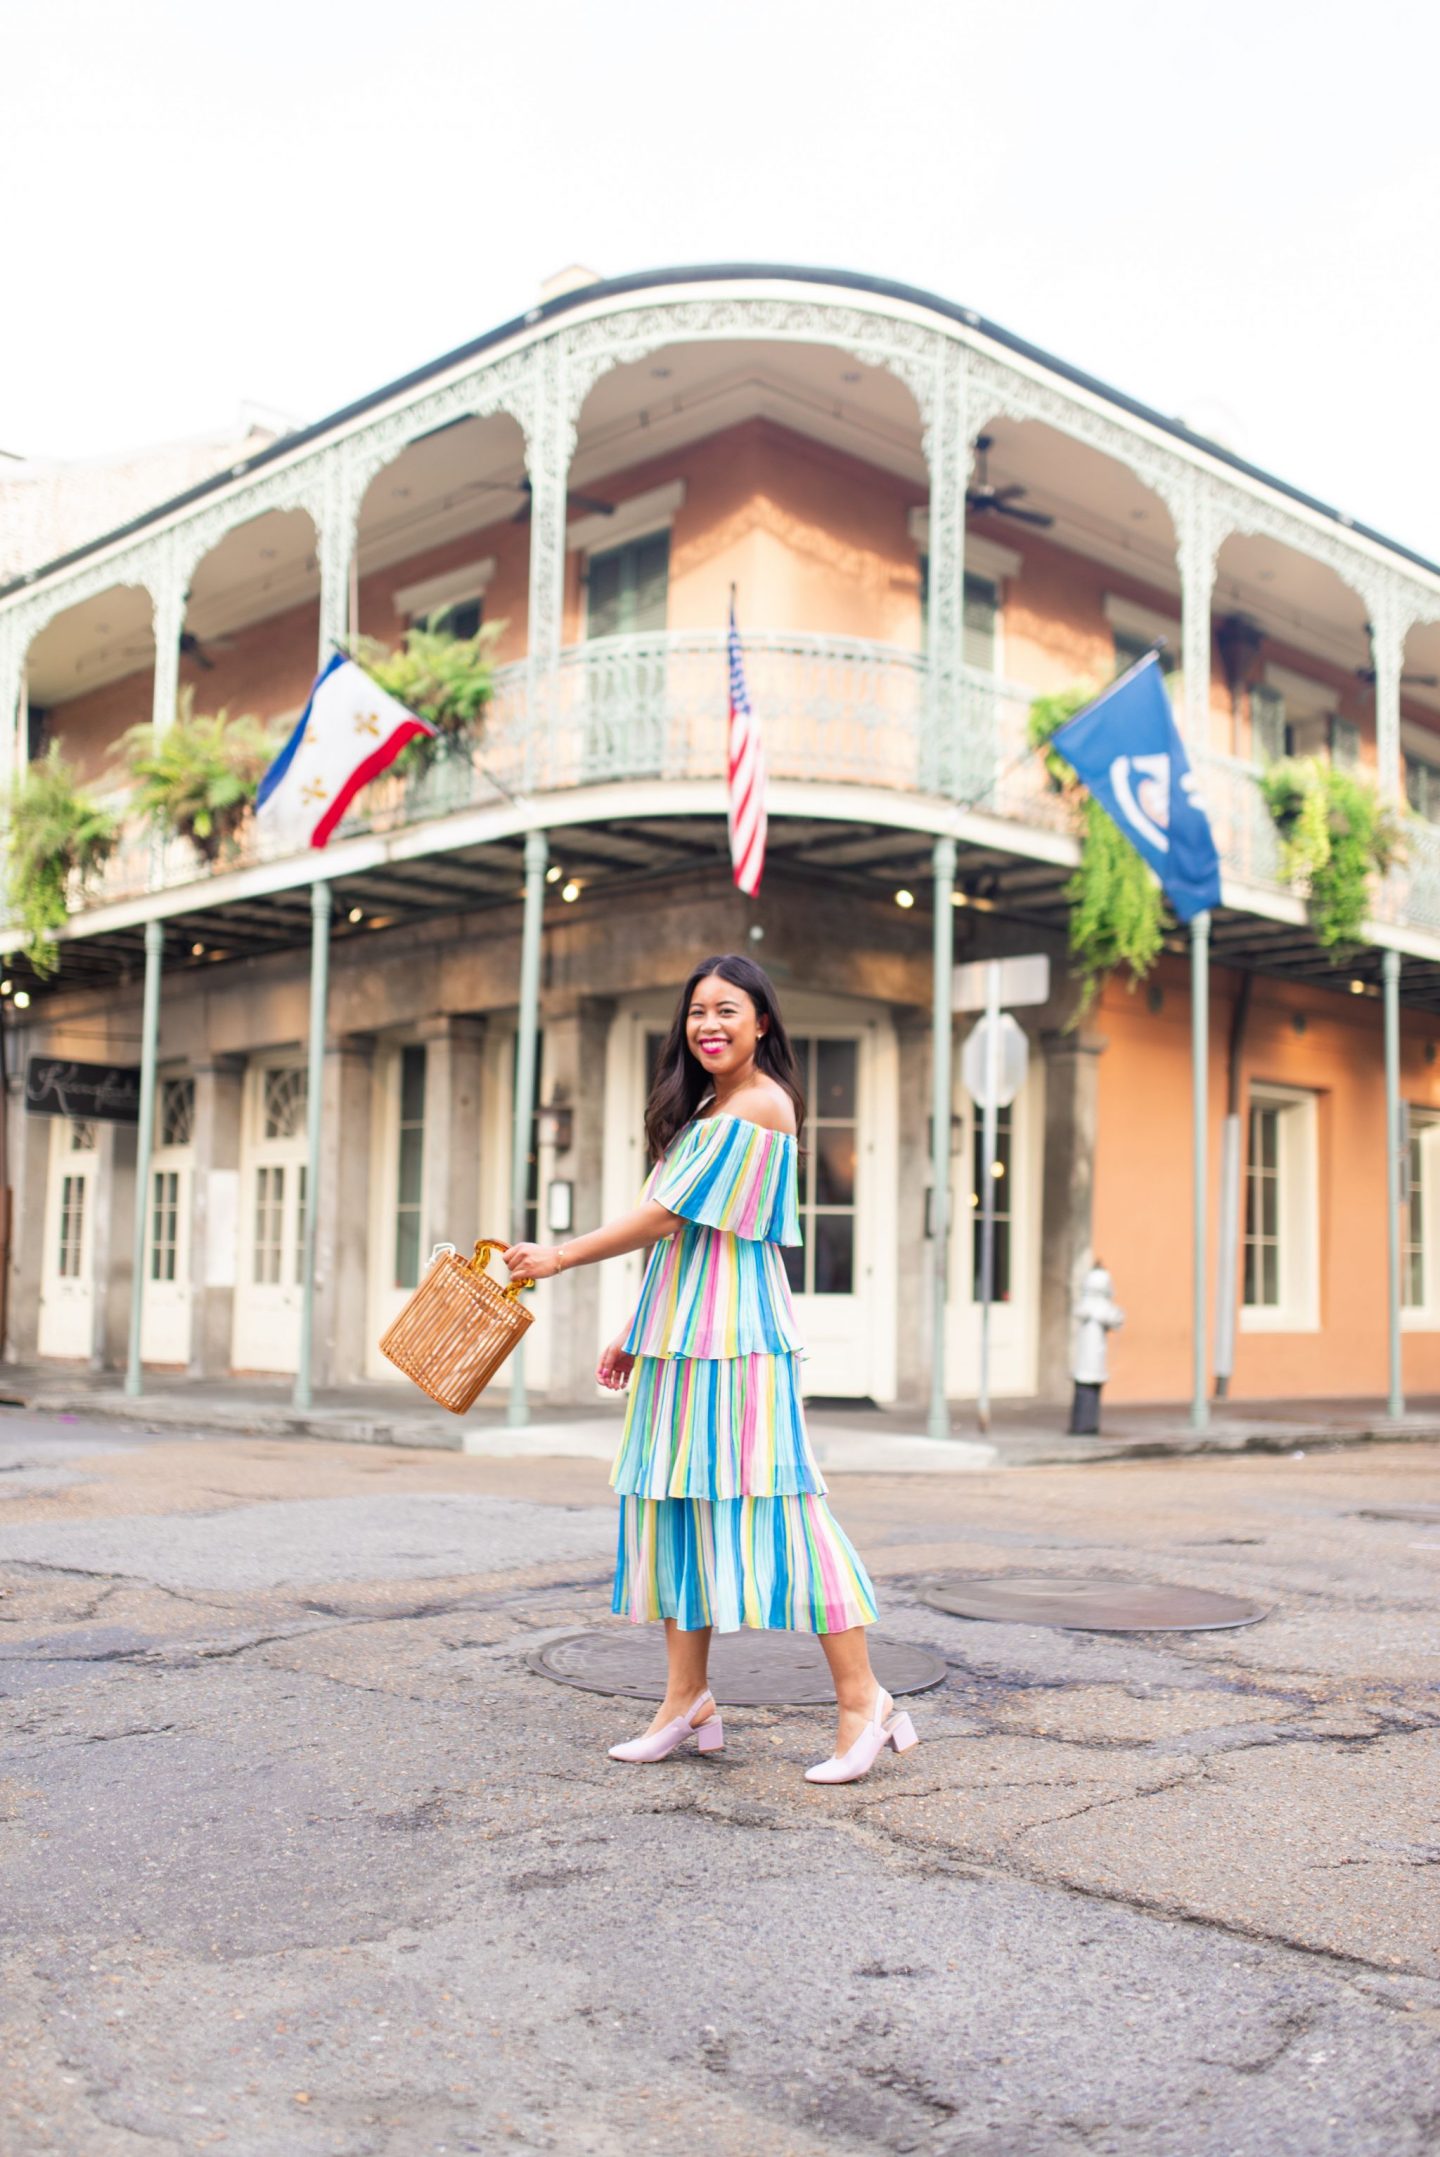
[884, 1728]
[708, 1735]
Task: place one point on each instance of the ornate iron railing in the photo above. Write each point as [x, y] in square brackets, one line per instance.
[837, 710]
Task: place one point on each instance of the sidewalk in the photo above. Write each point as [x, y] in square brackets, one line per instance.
[849, 1438]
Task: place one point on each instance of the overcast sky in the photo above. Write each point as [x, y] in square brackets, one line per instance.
[1229, 210]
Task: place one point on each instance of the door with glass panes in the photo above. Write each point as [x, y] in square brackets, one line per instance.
[626, 606]
[272, 1217]
[1014, 1314]
[165, 1305]
[67, 1280]
[399, 1251]
[842, 1277]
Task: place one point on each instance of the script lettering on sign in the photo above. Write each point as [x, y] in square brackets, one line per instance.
[98, 1093]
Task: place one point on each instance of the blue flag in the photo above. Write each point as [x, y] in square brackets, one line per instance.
[1126, 748]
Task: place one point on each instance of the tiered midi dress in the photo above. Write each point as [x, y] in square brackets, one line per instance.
[723, 1518]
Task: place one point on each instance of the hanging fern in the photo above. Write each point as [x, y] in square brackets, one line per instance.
[199, 777]
[1118, 916]
[57, 835]
[447, 680]
[1335, 835]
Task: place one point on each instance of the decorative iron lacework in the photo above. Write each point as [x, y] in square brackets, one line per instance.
[285, 1095]
[177, 1111]
[84, 1135]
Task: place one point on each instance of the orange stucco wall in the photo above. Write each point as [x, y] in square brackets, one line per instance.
[1142, 1181]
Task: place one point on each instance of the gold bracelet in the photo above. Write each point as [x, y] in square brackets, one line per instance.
[560, 1250]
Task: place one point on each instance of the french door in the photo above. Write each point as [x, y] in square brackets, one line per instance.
[272, 1218]
[1015, 1310]
[67, 1280]
[165, 1307]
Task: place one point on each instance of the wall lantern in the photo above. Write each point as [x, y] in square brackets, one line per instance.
[555, 1125]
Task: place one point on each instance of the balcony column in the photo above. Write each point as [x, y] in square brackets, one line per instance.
[168, 602]
[550, 434]
[1388, 624]
[1199, 536]
[335, 517]
[951, 763]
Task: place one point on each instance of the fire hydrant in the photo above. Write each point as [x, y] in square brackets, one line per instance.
[1096, 1314]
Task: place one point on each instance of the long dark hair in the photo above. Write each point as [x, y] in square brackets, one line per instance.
[681, 1083]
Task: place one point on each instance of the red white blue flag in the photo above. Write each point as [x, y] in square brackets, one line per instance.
[345, 737]
[747, 776]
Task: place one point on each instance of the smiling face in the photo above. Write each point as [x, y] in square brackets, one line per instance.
[723, 1029]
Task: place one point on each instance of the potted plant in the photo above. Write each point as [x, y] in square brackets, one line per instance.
[58, 835]
[199, 777]
[1335, 836]
[1118, 915]
[443, 679]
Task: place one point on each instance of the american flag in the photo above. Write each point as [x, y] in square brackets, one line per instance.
[747, 776]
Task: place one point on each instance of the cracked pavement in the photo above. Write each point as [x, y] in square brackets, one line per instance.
[301, 1855]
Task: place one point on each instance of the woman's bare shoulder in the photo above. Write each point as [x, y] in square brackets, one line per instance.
[766, 1104]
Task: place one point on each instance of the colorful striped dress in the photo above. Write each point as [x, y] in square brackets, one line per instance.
[723, 1519]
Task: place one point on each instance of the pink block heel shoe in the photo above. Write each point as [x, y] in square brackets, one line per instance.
[884, 1728]
[709, 1735]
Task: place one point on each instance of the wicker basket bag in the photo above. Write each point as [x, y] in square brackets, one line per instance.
[458, 1327]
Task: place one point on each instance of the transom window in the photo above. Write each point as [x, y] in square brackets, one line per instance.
[177, 1111]
[829, 1076]
[627, 588]
[284, 1098]
[84, 1137]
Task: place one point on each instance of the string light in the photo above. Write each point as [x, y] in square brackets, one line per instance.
[22, 999]
[570, 892]
[554, 873]
[905, 899]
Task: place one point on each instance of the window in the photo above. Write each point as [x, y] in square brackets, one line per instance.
[980, 647]
[1419, 1273]
[461, 620]
[1281, 1279]
[164, 1223]
[829, 1078]
[1004, 1181]
[1422, 788]
[531, 1230]
[628, 587]
[70, 1258]
[409, 1169]
[269, 1224]
[1131, 647]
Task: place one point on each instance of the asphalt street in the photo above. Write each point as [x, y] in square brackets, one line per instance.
[301, 1854]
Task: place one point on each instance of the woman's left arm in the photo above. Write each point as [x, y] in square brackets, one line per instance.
[541, 1261]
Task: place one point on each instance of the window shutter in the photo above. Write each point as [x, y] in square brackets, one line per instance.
[1344, 743]
[1267, 725]
[982, 606]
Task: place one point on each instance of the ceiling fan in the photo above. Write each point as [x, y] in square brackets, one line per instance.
[1407, 681]
[1002, 500]
[192, 647]
[522, 486]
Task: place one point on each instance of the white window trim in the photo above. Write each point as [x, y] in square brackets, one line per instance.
[1424, 1317]
[1143, 622]
[983, 557]
[643, 514]
[453, 589]
[1298, 1310]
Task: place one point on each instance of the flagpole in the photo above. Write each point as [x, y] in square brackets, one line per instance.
[1200, 1117]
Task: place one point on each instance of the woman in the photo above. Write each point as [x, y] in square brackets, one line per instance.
[723, 1519]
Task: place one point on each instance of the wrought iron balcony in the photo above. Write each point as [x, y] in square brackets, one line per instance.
[837, 711]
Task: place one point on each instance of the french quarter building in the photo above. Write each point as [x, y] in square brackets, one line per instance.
[849, 456]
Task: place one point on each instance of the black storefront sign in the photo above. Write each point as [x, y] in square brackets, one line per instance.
[95, 1093]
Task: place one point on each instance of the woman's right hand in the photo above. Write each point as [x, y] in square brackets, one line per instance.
[615, 1365]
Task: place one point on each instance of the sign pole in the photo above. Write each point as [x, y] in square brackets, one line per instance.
[537, 854]
[989, 1125]
[144, 1143]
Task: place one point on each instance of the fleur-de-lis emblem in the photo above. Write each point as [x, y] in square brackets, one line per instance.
[313, 790]
[367, 722]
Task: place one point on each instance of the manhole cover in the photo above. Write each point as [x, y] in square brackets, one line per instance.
[1090, 1606]
[1427, 1515]
[747, 1670]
